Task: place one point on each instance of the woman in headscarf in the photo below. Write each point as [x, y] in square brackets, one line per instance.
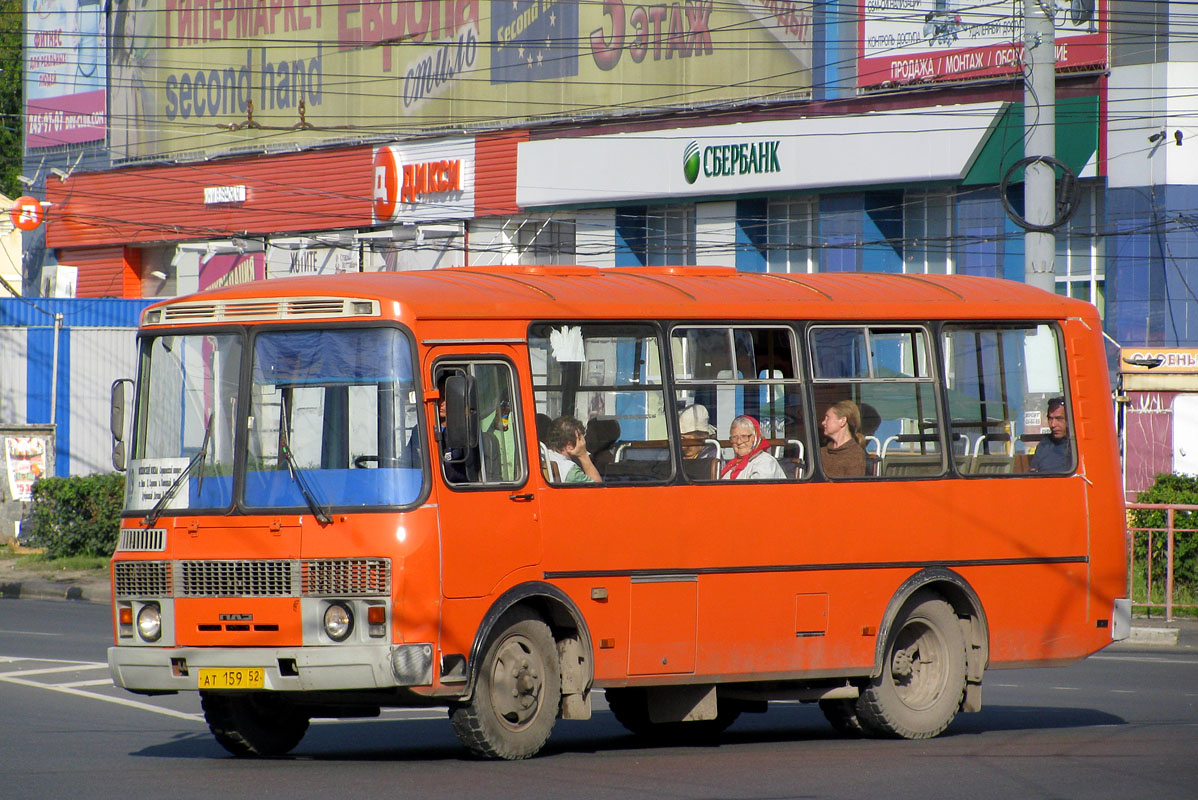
[752, 460]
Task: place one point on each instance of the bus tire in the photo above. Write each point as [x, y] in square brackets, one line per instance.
[842, 715]
[630, 707]
[923, 675]
[253, 723]
[517, 692]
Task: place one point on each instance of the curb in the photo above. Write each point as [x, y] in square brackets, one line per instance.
[48, 590]
[1152, 635]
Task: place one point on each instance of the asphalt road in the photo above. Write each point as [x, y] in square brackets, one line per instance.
[1122, 724]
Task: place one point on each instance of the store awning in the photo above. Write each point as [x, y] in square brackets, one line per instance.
[1076, 141]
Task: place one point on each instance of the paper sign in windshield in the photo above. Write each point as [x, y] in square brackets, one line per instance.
[152, 478]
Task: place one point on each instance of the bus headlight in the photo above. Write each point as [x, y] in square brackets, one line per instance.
[338, 622]
[149, 622]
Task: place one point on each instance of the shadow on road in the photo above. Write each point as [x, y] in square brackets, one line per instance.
[432, 740]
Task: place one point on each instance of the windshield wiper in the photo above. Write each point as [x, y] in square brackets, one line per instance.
[198, 458]
[297, 475]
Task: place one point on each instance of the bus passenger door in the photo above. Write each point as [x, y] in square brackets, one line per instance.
[488, 514]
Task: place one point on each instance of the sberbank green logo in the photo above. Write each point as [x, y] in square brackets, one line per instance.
[690, 162]
[730, 160]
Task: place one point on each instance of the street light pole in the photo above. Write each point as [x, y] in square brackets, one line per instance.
[1039, 139]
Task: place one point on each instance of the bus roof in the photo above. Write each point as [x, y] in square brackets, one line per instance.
[578, 292]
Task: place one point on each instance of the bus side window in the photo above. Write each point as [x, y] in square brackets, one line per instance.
[876, 401]
[494, 457]
[608, 378]
[723, 372]
[1007, 399]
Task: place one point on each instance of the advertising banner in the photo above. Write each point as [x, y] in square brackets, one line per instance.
[916, 41]
[25, 460]
[64, 72]
[226, 75]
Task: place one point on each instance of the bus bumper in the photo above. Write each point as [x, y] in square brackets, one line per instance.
[1121, 619]
[151, 669]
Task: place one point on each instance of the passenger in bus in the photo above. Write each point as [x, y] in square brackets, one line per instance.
[1052, 453]
[695, 429]
[844, 454]
[567, 450]
[752, 460]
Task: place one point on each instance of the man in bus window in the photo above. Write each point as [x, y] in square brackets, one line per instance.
[1052, 453]
[752, 459]
[567, 450]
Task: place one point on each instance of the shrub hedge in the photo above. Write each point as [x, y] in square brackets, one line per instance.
[76, 516]
[1183, 490]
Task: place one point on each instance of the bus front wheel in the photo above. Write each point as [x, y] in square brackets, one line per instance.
[517, 692]
[923, 677]
[253, 723]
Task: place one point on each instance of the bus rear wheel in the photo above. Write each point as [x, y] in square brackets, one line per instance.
[254, 723]
[517, 693]
[923, 677]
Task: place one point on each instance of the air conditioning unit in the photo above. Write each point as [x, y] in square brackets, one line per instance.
[59, 280]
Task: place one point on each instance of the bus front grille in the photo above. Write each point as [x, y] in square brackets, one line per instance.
[321, 577]
[142, 578]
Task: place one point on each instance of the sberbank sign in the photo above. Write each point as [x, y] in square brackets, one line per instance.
[726, 160]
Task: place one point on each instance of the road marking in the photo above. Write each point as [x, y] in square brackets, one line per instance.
[1066, 688]
[120, 701]
[1143, 659]
[20, 678]
[100, 682]
[48, 670]
[31, 633]
[1123, 691]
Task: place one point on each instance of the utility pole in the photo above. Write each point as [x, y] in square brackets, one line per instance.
[1039, 139]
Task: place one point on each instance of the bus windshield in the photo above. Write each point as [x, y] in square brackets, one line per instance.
[332, 420]
[183, 445]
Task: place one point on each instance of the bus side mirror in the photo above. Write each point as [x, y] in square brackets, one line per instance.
[116, 423]
[460, 396]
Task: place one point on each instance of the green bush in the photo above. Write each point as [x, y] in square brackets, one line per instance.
[76, 516]
[1182, 490]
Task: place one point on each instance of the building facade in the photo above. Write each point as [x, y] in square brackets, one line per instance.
[182, 145]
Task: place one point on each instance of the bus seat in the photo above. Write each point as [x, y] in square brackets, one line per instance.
[548, 466]
[491, 457]
[602, 435]
[793, 467]
[871, 463]
[897, 465]
[701, 469]
[643, 451]
[963, 461]
[992, 464]
[543, 423]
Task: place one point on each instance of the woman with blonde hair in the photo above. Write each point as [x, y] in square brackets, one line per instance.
[844, 454]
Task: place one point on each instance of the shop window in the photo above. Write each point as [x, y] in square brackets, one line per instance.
[655, 236]
[927, 232]
[542, 241]
[1080, 256]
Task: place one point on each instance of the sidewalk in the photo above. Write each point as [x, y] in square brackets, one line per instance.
[1181, 632]
[92, 586]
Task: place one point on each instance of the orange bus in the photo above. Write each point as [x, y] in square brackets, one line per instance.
[499, 489]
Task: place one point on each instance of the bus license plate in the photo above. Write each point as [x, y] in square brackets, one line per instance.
[239, 678]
